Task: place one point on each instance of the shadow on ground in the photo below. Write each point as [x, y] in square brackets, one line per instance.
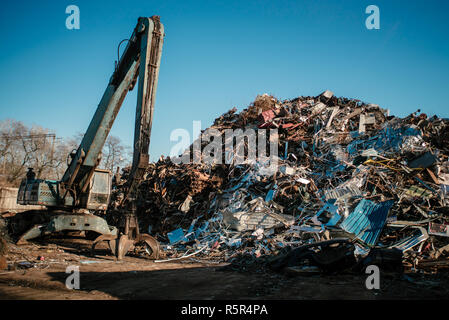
[214, 283]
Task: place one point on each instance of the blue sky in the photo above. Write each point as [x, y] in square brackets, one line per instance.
[221, 54]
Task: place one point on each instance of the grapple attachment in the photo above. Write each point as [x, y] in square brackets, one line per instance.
[130, 240]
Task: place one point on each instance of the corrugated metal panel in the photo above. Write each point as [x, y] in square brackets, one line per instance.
[409, 242]
[338, 193]
[367, 220]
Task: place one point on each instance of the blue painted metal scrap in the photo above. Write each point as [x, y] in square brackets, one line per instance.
[386, 139]
[332, 209]
[176, 236]
[367, 220]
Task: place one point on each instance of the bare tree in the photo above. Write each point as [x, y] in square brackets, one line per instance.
[15, 155]
[115, 153]
[22, 147]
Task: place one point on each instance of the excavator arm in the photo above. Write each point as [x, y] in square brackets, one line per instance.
[141, 59]
[80, 187]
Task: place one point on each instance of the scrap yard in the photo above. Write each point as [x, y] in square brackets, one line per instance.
[353, 187]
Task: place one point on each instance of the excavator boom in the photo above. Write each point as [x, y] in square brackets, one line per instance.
[140, 60]
[84, 186]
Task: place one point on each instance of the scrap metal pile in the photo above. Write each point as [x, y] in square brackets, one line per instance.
[353, 186]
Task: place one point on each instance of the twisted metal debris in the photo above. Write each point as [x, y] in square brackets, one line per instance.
[347, 171]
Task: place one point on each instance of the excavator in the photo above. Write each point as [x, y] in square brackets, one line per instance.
[80, 199]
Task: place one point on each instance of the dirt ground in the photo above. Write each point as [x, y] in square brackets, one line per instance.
[102, 277]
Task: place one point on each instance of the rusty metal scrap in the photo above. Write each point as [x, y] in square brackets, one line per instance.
[336, 151]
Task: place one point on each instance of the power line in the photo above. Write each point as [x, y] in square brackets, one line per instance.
[32, 136]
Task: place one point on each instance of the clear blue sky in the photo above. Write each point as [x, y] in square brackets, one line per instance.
[220, 54]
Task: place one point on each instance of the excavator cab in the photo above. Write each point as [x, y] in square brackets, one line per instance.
[47, 193]
[99, 191]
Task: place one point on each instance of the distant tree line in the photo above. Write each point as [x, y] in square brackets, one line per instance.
[23, 147]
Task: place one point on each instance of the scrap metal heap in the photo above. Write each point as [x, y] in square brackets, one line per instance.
[354, 186]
